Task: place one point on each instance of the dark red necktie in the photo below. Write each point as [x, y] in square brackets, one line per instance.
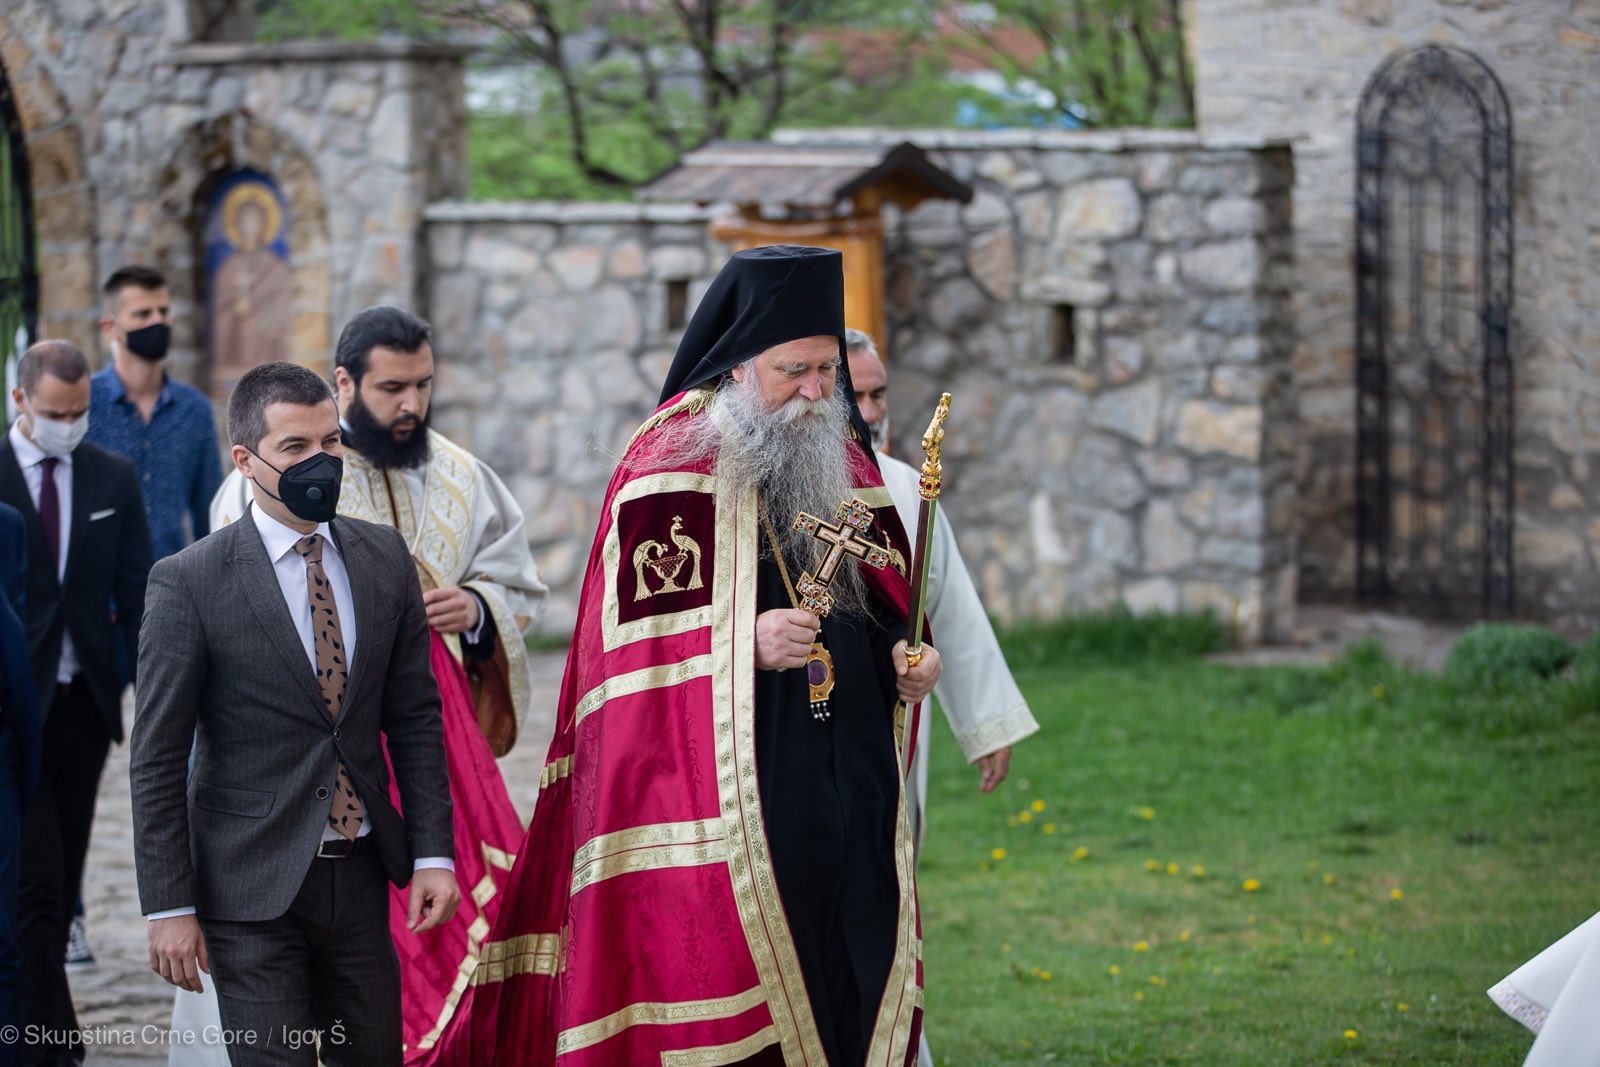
[50, 509]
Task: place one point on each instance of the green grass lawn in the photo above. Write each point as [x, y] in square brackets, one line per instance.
[1409, 844]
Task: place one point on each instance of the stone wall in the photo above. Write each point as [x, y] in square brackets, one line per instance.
[1297, 68]
[551, 329]
[1109, 312]
[129, 122]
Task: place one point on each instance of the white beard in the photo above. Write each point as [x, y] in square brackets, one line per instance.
[795, 458]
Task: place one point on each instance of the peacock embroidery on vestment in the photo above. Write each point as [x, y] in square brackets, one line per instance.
[668, 563]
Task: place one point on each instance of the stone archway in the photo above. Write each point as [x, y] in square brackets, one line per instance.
[204, 154]
[63, 199]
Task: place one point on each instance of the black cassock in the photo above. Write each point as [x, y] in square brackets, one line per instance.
[829, 797]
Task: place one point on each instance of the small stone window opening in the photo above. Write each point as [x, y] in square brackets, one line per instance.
[1063, 334]
[677, 303]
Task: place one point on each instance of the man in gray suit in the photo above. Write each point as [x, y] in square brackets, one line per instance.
[283, 645]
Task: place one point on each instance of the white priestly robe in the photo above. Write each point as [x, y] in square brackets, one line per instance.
[979, 697]
[1554, 995]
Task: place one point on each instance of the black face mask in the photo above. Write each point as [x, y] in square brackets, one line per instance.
[150, 342]
[310, 488]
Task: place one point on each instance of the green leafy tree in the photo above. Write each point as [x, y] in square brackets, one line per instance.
[1110, 62]
[636, 84]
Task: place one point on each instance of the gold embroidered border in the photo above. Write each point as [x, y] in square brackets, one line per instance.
[718, 1055]
[694, 401]
[615, 634]
[516, 653]
[449, 496]
[536, 954]
[755, 889]
[648, 1013]
[554, 771]
[497, 858]
[639, 681]
[699, 854]
[891, 1031]
[874, 496]
[645, 848]
[467, 970]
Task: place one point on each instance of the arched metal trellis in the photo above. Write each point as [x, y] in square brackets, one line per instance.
[19, 272]
[1433, 329]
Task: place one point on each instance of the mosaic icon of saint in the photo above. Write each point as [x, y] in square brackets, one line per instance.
[252, 291]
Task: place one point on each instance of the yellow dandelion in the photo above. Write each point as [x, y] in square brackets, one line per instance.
[1327, 939]
[1138, 996]
[1049, 827]
[1044, 976]
[1328, 879]
[1114, 970]
[1378, 691]
[1251, 919]
[1183, 935]
[1157, 980]
[1198, 870]
[1402, 1006]
[997, 854]
[1350, 1035]
[1037, 805]
[1172, 868]
[1152, 865]
[1251, 885]
[1079, 853]
[1396, 894]
[1141, 946]
[1024, 817]
[1147, 813]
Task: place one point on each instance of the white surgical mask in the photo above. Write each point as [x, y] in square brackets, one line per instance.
[57, 438]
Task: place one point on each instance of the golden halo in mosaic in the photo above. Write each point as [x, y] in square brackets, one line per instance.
[251, 194]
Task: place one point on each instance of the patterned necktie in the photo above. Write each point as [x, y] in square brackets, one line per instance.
[50, 507]
[346, 813]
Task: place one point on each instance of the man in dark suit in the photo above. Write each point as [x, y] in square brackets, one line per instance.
[288, 645]
[19, 758]
[89, 547]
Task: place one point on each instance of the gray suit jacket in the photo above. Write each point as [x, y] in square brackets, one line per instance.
[220, 662]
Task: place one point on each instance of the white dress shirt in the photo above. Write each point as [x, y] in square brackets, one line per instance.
[29, 458]
[289, 567]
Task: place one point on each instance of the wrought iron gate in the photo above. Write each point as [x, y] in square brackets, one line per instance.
[19, 274]
[1433, 326]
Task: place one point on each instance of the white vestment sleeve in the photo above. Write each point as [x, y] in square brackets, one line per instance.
[500, 565]
[230, 500]
[1554, 994]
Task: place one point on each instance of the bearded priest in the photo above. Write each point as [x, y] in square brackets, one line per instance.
[719, 868]
[482, 592]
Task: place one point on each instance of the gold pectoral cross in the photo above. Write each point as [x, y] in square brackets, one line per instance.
[853, 519]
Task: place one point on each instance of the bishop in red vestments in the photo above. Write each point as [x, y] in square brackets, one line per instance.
[719, 867]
